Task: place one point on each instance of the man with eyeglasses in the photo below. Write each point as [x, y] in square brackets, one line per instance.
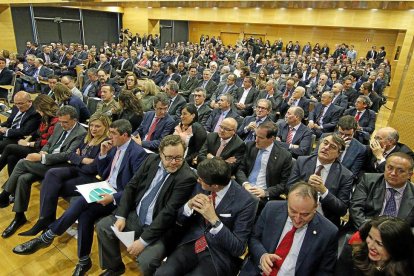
[247, 129]
[217, 221]
[328, 176]
[155, 124]
[23, 121]
[224, 144]
[291, 238]
[148, 206]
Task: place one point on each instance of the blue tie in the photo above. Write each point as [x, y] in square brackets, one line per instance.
[147, 200]
[256, 168]
[391, 206]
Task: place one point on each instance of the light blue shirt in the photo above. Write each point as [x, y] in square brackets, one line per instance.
[261, 177]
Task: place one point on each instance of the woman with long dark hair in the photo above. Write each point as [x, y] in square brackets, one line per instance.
[131, 109]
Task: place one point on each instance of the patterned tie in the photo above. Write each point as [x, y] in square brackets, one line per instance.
[201, 244]
[221, 148]
[16, 120]
[358, 116]
[320, 116]
[286, 94]
[391, 206]
[116, 157]
[147, 200]
[152, 128]
[283, 250]
[289, 137]
[256, 168]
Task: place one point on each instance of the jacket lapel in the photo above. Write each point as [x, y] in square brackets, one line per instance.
[277, 229]
[308, 241]
[407, 201]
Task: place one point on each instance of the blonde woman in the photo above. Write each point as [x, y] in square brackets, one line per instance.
[147, 96]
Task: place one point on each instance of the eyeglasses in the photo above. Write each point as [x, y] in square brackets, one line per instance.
[331, 146]
[261, 107]
[171, 158]
[226, 128]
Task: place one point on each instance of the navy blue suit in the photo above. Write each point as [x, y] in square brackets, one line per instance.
[88, 213]
[318, 252]
[236, 211]
[355, 157]
[338, 182]
[302, 138]
[80, 107]
[6, 78]
[329, 120]
[215, 115]
[164, 127]
[366, 122]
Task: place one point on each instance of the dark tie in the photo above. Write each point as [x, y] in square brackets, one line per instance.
[152, 128]
[59, 142]
[320, 115]
[256, 168]
[319, 170]
[391, 206]
[283, 250]
[16, 120]
[201, 244]
[149, 198]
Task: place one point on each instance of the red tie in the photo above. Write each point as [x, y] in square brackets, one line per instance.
[152, 128]
[358, 116]
[201, 244]
[290, 136]
[283, 250]
[286, 94]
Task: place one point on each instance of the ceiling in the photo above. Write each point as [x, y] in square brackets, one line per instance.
[380, 5]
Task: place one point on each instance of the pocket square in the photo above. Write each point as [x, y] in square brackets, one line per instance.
[225, 215]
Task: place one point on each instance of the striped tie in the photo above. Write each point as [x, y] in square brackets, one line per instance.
[17, 120]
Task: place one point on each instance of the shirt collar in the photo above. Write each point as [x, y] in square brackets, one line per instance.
[326, 166]
[220, 194]
[399, 190]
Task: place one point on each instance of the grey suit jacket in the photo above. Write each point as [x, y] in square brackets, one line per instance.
[71, 142]
[369, 196]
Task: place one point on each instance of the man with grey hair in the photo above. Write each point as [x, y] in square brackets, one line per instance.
[67, 135]
[228, 87]
[272, 94]
[203, 109]
[315, 91]
[224, 111]
[365, 118]
[297, 99]
[176, 100]
[325, 116]
[207, 83]
[339, 98]
[247, 129]
[385, 143]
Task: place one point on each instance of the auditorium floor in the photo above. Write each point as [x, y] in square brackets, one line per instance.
[61, 257]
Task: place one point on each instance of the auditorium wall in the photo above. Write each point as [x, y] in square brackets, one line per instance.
[7, 40]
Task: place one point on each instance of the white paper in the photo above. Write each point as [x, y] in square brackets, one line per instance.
[127, 238]
[92, 191]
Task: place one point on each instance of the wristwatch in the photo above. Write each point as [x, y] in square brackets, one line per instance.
[216, 224]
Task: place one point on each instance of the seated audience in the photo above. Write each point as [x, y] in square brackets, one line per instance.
[155, 125]
[293, 135]
[390, 193]
[245, 97]
[247, 129]
[22, 121]
[147, 95]
[12, 153]
[108, 105]
[131, 83]
[6, 77]
[176, 101]
[212, 243]
[191, 132]
[297, 99]
[64, 97]
[167, 173]
[69, 82]
[271, 93]
[291, 237]
[118, 172]
[330, 178]
[131, 109]
[203, 109]
[229, 87]
[218, 115]
[65, 138]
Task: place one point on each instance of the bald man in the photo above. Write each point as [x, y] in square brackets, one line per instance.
[22, 122]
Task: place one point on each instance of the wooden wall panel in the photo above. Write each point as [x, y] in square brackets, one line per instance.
[8, 38]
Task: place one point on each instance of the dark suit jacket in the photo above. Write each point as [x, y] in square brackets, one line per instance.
[235, 147]
[175, 108]
[352, 95]
[106, 67]
[376, 102]
[355, 157]
[93, 90]
[400, 147]
[366, 122]
[6, 78]
[196, 141]
[246, 121]
[338, 182]
[250, 100]
[368, 199]
[134, 156]
[215, 115]
[69, 145]
[175, 77]
[302, 138]
[231, 241]
[303, 103]
[317, 255]
[128, 66]
[164, 127]
[174, 193]
[70, 70]
[330, 119]
[341, 101]
[156, 77]
[187, 86]
[276, 100]
[277, 170]
[29, 123]
[81, 108]
[203, 113]
[371, 54]
[211, 86]
[220, 89]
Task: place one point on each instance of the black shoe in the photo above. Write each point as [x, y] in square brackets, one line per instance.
[81, 269]
[14, 225]
[110, 272]
[31, 246]
[39, 226]
[4, 199]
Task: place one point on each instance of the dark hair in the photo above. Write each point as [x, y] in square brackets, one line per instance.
[214, 171]
[2, 59]
[270, 127]
[404, 156]
[68, 110]
[161, 97]
[347, 122]
[111, 88]
[122, 126]
[192, 109]
[130, 102]
[398, 241]
[171, 140]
